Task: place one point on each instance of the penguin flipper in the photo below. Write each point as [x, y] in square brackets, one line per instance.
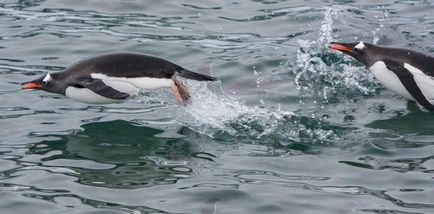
[100, 88]
[409, 83]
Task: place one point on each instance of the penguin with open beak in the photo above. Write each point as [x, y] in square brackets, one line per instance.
[114, 77]
[406, 72]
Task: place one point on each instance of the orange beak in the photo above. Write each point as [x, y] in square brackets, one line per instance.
[340, 47]
[31, 85]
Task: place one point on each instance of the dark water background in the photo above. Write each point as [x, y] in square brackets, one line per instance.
[291, 128]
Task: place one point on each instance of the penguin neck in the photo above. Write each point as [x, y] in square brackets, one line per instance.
[63, 81]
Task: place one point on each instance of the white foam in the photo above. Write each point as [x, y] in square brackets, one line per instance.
[212, 111]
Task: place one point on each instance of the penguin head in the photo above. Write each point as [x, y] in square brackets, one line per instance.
[48, 82]
[363, 52]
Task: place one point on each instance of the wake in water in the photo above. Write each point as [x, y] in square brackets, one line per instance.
[214, 113]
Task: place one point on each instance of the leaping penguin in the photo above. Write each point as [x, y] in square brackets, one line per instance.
[114, 77]
[405, 72]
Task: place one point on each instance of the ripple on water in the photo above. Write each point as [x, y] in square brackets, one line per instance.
[306, 130]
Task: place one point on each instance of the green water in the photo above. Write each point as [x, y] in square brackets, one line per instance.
[292, 127]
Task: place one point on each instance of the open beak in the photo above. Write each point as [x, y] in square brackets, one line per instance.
[31, 85]
[340, 47]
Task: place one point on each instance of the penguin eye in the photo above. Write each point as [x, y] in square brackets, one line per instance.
[46, 79]
[359, 51]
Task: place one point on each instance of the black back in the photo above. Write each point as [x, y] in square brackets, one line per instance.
[126, 64]
[374, 53]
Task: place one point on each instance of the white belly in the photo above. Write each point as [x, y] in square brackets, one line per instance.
[87, 96]
[389, 79]
[133, 85]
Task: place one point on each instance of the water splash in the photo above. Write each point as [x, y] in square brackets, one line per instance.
[326, 74]
[327, 25]
[381, 20]
[214, 113]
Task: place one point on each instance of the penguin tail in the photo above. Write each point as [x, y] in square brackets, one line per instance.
[181, 93]
[195, 76]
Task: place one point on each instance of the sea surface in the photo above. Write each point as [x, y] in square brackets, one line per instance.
[290, 127]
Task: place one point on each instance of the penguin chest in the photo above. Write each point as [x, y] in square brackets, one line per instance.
[87, 96]
[389, 79]
[131, 86]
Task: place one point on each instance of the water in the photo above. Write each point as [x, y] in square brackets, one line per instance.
[292, 127]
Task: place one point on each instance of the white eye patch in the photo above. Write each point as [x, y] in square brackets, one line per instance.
[360, 46]
[47, 78]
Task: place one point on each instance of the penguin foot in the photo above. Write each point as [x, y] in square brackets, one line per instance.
[181, 93]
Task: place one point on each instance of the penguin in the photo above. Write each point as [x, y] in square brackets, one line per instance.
[115, 77]
[408, 73]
